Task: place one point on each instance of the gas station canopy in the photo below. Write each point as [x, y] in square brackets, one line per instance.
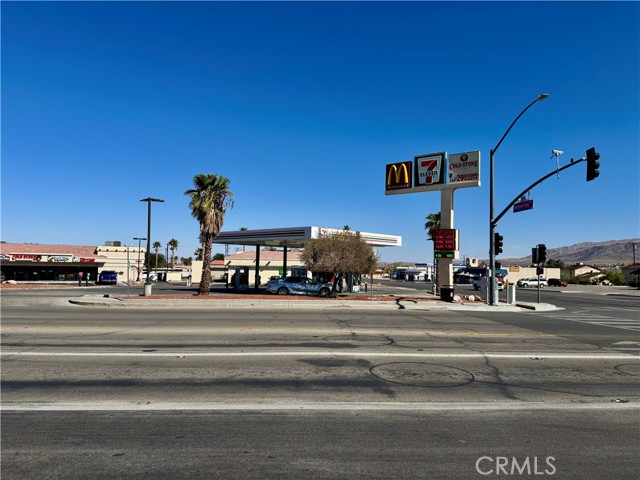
[296, 237]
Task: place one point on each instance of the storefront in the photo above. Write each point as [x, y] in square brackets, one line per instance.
[49, 263]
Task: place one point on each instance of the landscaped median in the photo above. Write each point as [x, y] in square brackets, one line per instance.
[256, 301]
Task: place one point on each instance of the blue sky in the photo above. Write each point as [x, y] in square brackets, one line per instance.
[303, 104]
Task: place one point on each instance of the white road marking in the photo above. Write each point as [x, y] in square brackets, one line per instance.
[310, 406]
[331, 353]
[596, 319]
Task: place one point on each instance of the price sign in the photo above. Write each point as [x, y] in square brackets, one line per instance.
[445, 240]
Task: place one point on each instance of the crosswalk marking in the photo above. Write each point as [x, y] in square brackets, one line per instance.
[595, 319]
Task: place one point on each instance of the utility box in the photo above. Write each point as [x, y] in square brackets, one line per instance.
[511, 293]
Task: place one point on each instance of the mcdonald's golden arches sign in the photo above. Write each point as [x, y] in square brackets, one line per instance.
[399, 176]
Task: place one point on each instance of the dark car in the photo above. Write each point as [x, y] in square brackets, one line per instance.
[108, 277]
[556, 282]
[298, 286]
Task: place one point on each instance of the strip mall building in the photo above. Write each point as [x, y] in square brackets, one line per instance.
[33, 262]
[38, 262]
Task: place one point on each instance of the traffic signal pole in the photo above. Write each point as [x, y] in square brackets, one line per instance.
[592, 173]
[495, 221]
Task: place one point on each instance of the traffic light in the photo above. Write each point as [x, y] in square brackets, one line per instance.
[534, 255]
[542, 253]
[592, 164]
[497, 243]
[498, 265]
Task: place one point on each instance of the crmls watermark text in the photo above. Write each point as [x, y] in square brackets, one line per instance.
[513, 466]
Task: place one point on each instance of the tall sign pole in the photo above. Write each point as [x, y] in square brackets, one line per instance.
[437, 172]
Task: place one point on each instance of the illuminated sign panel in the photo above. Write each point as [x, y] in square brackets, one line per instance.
[398, 176]
[445, 240]
[433, 171]
[464, 169]
[429, 169]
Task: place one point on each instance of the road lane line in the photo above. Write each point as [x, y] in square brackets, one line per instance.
[311, 406]
[331, 353]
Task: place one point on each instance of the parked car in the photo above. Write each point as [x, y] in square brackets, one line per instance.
[476, 284]
[298, 286]
[108, 277]
[531, 282]
[556, 282]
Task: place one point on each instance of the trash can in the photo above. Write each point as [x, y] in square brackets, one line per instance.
[446, 293]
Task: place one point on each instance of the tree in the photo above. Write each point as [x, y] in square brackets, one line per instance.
[340, 254]
[613, 276]
[198, 253]
[218, 256]
[209, 202]
[554, 263]
[433, 224]
[173, 246]
[186, 261]
[156, 247]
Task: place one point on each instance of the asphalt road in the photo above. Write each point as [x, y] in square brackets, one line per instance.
[263, 393]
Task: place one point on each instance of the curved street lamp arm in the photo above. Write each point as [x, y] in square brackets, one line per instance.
[513, 123]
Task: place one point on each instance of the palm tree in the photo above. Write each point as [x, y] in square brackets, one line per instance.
[173, 246]
[433, 224]
[198, 253]
[209, 202]
[156, 247]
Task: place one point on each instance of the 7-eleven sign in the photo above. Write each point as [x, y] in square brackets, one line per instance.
[429, 169]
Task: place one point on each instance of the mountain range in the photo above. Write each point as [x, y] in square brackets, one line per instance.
[611, 252]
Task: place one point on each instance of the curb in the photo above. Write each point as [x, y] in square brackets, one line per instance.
[106, 301]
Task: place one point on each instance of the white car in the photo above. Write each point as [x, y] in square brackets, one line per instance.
[532, 282]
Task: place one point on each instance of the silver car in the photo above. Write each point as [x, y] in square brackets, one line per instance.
[532, 282]
[298, 286]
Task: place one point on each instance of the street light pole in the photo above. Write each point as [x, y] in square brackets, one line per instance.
[139, 240]
[147, 285]
[492, 296]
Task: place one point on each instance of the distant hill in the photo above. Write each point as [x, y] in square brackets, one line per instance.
[612, 252]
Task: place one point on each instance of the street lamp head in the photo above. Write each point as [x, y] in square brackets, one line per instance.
[149, 199]
[542, 96]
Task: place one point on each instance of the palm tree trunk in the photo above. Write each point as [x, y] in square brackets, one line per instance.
[205, 281]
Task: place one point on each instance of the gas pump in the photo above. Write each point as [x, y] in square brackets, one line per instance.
[298, 272]
[241, 279]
